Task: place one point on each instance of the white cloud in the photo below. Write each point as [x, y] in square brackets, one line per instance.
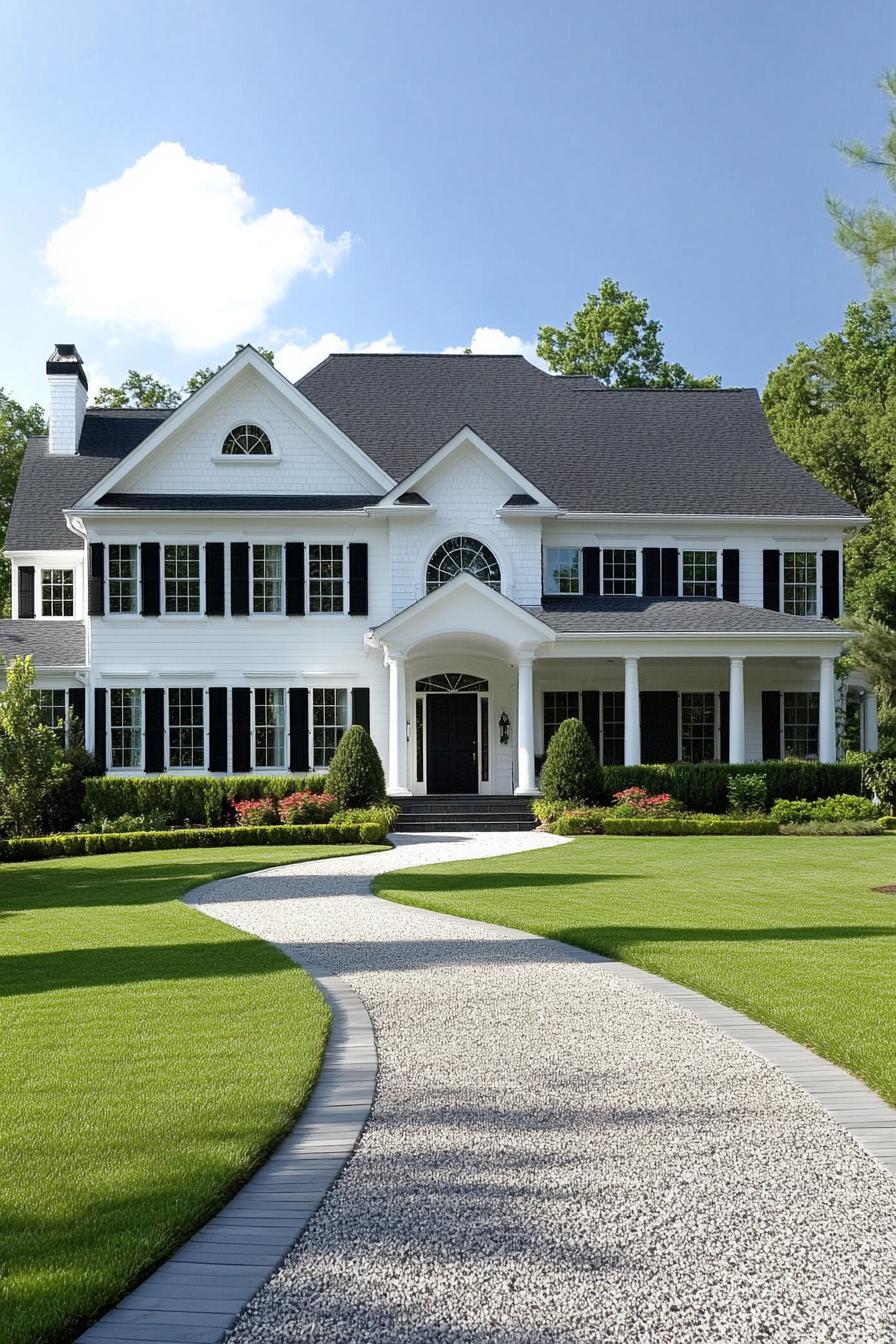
[294, 360]
[493, 341]
[172, 248]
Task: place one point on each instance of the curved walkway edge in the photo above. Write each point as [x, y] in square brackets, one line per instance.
[197, 1294]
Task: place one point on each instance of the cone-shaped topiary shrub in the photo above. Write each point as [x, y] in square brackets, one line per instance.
[356, 771]
[571, 769]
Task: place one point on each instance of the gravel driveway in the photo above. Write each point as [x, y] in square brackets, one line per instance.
[555, 1154]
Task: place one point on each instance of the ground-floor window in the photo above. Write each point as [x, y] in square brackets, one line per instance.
[125, 727]
[852, 721]
[270, 728]
[51, 707]
[698, 725]
[558, 705]
[186, 728]
[801, 723]
[612, 712]
[329, 720]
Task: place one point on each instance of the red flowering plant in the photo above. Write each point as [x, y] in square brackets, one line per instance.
[256, 812]
[306, 809]
[638, 802]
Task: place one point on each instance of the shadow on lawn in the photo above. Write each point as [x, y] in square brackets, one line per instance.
[615, 939]
[23, 890]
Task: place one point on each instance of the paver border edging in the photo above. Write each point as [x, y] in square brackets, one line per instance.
[198, 1293]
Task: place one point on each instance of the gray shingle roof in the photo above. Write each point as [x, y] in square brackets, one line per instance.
[672, 615]
[51, 643]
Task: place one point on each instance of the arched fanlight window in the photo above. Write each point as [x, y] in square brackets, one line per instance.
[247, 441]
[462, 555]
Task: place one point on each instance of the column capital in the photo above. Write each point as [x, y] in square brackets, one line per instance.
[736, 658]
[525, 656]
[631, 659]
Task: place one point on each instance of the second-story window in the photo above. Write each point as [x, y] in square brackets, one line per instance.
[563, 569]
[182, 582]
[620, 571]
[800, 583]
[122, 578]
[57, 592]
[267, 579]
[326, 579]
[699, 574]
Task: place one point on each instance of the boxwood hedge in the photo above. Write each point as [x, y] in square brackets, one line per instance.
[704, 788]
[184, 798]
[689, 826]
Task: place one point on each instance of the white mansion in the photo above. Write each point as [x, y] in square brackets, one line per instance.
[457, 551]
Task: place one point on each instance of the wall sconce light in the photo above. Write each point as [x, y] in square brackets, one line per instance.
[504, 725]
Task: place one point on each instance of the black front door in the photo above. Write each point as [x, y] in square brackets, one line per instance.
[659, 727]
[452, 764]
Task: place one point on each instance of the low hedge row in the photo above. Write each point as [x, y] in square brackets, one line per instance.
[20, 850]
[704, 788]
[185, 798]
[689, 826]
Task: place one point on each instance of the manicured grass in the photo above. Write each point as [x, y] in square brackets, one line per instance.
[149, 1057]
[786, 929]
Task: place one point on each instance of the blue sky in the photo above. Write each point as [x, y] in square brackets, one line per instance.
[434, 170]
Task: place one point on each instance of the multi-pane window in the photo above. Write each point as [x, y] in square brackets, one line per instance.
[51, 708]
[57, 592]
[267, 578]
[800, 583]
[801, 723]
[326, 578]
[125, 728]
[563, 569]
[558, 705]
[329, 722]
[247, 441]
[698, 725]
[620, 571]
[699, 573]
[122, 578]
[186, 728]
[462, 555]
[270, 729]
[613, 727]
[182, 579]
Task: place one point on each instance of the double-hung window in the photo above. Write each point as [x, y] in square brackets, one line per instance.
[558, 705]
[270, 728]
[267, 579]
[699, 574]
[51, 708]
[620, 570]
[186, 728]
[57, 592]
[122, 579]
[182, 579]
[698, 725]
[126, 728]
[563, 569]
[329, 712]
[801, 583]
[801, 724]
[326, 578]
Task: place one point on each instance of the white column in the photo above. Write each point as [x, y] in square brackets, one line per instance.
[397, 772]
[736, 736]
[869, 721]
[525, 727]
[827, 719]
[632, 743]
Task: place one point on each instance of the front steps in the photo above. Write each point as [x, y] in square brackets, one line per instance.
[464, 812]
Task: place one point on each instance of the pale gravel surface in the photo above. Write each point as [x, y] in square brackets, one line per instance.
[555, 1154]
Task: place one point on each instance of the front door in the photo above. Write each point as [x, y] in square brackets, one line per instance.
[452, 744]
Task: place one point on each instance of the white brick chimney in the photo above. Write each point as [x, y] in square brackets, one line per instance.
[68, 398]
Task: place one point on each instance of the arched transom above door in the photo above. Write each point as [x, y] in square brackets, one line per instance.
[462, 555]
[447, 683]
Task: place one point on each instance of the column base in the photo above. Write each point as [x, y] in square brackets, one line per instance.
[399, 793]
[526, 793]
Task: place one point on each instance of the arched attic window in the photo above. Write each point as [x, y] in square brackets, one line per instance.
[247, 441]
[462, 555]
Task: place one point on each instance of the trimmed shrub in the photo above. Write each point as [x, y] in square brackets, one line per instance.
[198, 798]
[580, 821]
[65, 805]
[689, 825]
[256, 812]
[300, 809]
[844, 807]
[356, 771]
[704, 788]
[834, 828]
[571, 768]
[747, 793]
[888, 823]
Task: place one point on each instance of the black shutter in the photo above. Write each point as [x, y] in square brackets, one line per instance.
[149, 578]
[96, 580]
[771, 580]
[239, 578]
[830, 584]
[154, 743]
[591, 716]
[77, 703]
[295, 578]
[217, 729]
[26, 592]
[731, 576]
[214, 578]
[591, 570]
[99, 728]
[651, 571]
[357, 578]
[724, 722]
[659, 727]
[771, 725]
[241, 719]
[361, 706]
[298, 728]
[670, 571]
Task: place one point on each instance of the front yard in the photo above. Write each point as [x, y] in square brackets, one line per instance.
[149, 1057]
[786, 929]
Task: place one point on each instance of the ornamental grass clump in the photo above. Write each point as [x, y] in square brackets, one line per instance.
[356, 771]
[571, 770]
[304, 808]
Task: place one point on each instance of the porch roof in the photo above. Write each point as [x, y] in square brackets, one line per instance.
[672, 615]
[50, 643]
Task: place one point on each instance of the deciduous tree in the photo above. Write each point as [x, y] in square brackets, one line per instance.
[32, 763]
[17, 424]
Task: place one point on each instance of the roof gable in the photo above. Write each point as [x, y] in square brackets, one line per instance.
[467, 441]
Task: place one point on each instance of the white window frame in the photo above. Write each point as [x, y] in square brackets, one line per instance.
[163, 595]
[38, 691]
[322, 690]
[125, 615]
[783, 585]
[126, 769]
[343, 610]
[557, 592]
[222, 459]
[714, 696]
[186, 769]
[699, 550]
[636, 552]
[284, 766]
[783, 746]
[56, 569]
[272, 546]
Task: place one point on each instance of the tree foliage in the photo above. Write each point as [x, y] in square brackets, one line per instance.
[139, 390]
[868, 232]
[612, 339]
[32, 763]
[356, 771]
[18, 423]
[571, 770]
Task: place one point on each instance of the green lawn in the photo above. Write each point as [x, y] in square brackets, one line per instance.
[785, 928]
[149, 1056]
